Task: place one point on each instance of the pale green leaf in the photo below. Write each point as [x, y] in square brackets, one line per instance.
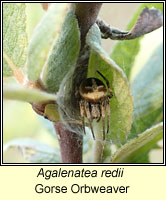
[121, 103]
[137, 147]
[146, 51]
[34, 151]
[16, 92]
[124, 52]
[7, 71]
[64, 54]
[147, 90]
[14, 35]
[51, 112]
[43, 39]
[34, 13]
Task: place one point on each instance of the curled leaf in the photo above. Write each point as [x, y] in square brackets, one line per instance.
[149, 20]
[125, 52]
[121, 104]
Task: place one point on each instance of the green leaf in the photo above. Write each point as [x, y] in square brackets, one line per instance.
[124, 52]
[51, 112]
[121, 103]
[16, 92]
[147, 90]
[14, 35]
[7, 71]
[136, 149]
[34, 151]
[43, 39]
[64, 54]
[34, 13]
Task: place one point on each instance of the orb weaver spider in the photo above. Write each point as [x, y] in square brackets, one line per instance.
[95, 102]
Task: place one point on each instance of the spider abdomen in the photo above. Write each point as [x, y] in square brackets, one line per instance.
[95, 102]
[93, 90]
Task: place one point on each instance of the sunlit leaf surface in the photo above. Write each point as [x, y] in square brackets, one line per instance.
[14, 35]
[147, 90]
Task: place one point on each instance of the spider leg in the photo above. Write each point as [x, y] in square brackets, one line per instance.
[88, 115]
[110, 93]
[102, 106]
[82, 112]
[107, 82]
[98, 119]
[108, 114]
[99, 116]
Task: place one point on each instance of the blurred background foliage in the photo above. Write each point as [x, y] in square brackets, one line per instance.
[19, 120]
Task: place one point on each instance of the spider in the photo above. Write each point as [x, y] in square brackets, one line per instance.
[95, 102]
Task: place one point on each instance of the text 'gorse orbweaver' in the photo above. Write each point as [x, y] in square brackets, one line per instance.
[95, 102]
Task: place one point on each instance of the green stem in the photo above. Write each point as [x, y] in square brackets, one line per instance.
[98, 145]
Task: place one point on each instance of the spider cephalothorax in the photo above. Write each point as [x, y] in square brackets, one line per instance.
[95, 101]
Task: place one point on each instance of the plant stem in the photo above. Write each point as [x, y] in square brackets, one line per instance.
[86, 14]
[70, 144]
[98, 145]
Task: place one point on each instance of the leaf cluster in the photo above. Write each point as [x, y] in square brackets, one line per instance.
[49, 62]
